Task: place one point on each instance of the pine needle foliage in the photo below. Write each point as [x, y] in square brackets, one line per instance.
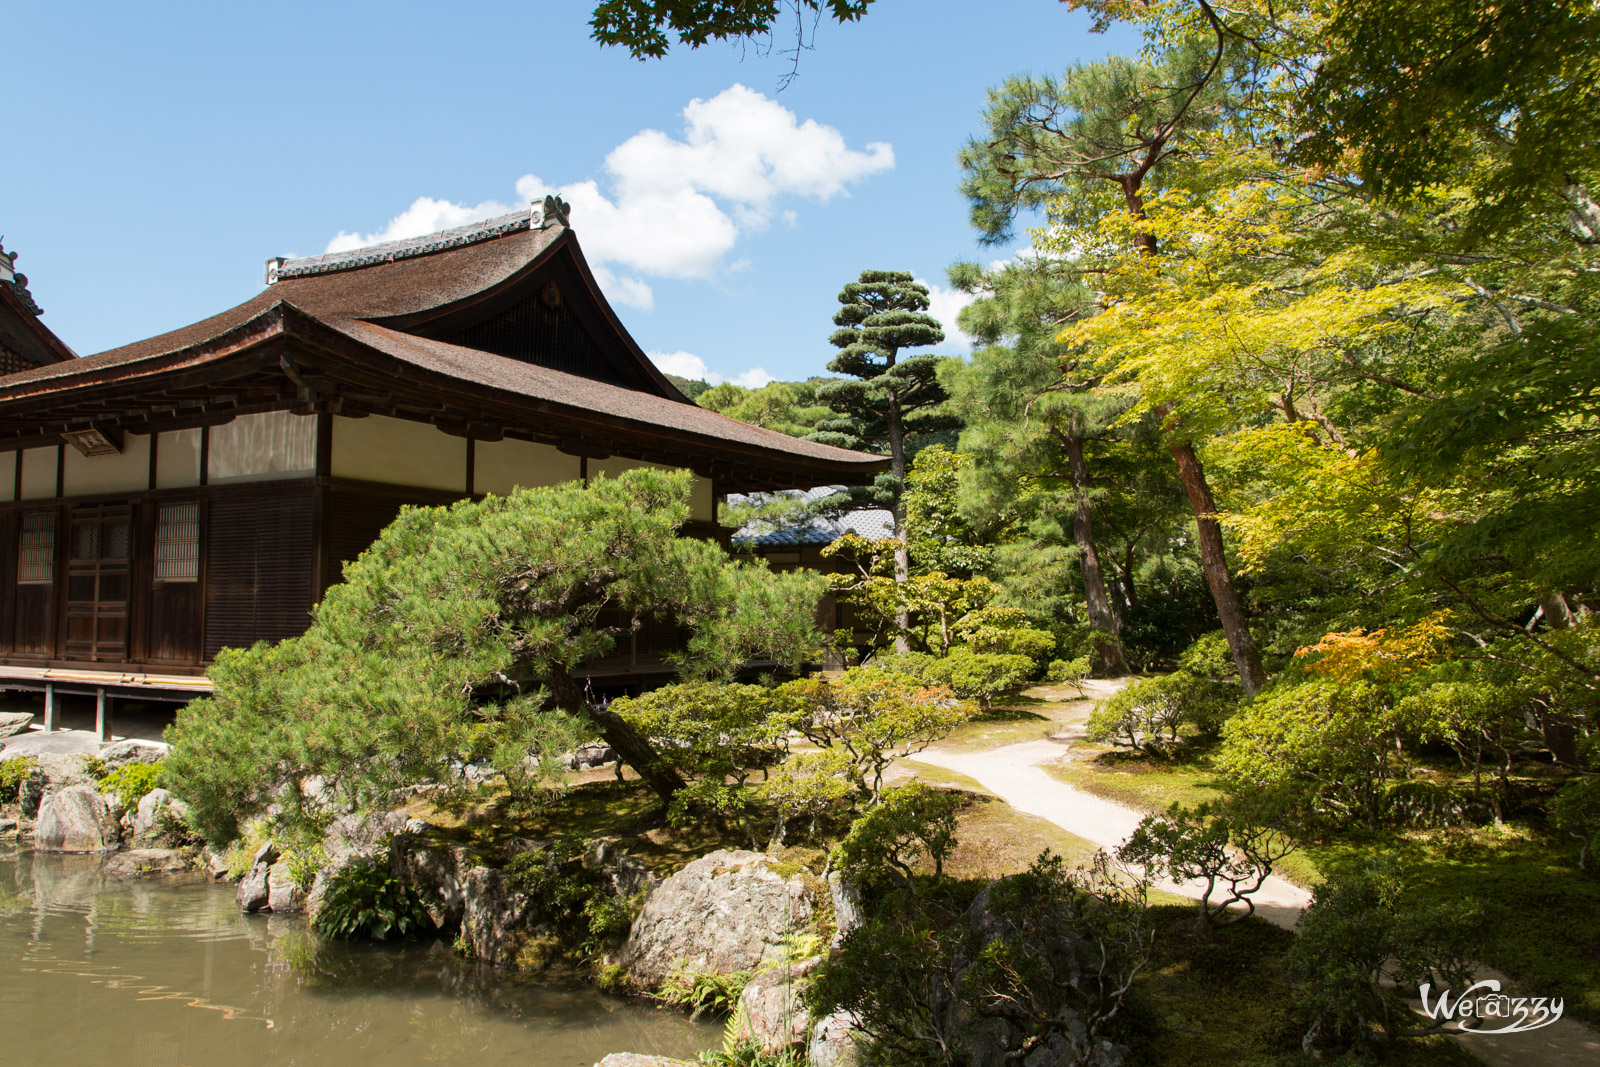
[461, 635]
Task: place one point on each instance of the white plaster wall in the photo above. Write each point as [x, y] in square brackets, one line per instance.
[126, 472]
[264, 447]
[8, 477]
[702, 504]
[398, 452]
[178, 459]
[616, 465]
[500, 466]
[39, 473]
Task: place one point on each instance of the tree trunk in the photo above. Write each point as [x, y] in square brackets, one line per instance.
[1235, 625]
[637, 752]
[902, 554]
[1557, 612]
[1109, 661]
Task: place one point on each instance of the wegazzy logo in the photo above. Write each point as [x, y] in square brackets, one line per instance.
[1483, 1009]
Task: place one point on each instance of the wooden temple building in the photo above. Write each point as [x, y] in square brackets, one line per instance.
[203, 488]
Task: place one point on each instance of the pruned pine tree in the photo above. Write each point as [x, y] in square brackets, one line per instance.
[464, 634]
[889, 401]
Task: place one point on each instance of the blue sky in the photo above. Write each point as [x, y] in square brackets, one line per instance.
[157, 154]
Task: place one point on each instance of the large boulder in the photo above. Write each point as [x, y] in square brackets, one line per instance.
[772, 1013]
[634, 1059]
[846, 900]
[160, 821]
[726, 912]
[138, 862]
[76, 819]
[14, 722]
[53, 772]
[627, 875]
[254, 892]
[121, 753]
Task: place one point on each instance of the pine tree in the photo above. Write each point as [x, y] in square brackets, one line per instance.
[889, 403]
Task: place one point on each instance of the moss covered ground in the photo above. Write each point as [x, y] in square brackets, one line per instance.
[1222, 999]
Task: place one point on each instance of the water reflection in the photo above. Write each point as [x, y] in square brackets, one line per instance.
[99, 971]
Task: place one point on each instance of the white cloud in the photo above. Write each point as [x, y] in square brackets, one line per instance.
[945, 305]
[676, 206]
[689, 365]
[425, 215]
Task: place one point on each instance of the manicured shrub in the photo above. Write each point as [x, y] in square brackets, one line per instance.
[1150, 715]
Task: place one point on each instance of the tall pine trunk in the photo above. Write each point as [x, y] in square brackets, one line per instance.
[1108, 658]
[902, 554]
[1214, 560]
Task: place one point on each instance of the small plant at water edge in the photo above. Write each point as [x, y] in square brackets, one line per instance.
[700, 992]
[365, 900]
[13, 772]
[131, 782]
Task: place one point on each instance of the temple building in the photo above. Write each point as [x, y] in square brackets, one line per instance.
[203, 488]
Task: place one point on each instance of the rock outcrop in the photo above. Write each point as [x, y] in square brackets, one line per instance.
[438, 873]
[14, 722]
[727, 911]
[634, 1059]
[76, 819]
[492, 917]
[160, 820]
[254, 892]
[772, 1014]
[833, 1042]
[284, 895]
[121, 753]
[54, 771]
[138, 862]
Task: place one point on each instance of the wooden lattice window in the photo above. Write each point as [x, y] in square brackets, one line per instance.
[178, 542]
[36, 555]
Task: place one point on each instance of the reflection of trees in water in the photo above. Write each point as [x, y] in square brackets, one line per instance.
[196, 949]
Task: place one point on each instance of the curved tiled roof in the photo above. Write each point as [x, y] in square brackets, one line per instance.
[383, 298]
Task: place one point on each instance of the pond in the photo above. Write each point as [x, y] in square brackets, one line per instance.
[100, 971]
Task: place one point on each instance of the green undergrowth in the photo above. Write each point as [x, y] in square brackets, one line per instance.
[489, 820]
[1223, 999]
[1540, 908]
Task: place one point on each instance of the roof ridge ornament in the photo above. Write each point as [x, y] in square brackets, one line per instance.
[556, 210]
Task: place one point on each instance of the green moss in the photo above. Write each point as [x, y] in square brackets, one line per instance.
[1223, 999]
[1139, 782]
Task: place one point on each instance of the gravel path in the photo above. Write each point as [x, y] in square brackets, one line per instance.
[1015, 774]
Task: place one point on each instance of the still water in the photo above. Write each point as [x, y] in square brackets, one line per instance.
[98, 971]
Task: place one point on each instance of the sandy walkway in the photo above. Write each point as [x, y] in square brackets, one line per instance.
[1015, 774]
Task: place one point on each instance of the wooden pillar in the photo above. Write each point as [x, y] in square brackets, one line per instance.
[102, 715]
[49, 709]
